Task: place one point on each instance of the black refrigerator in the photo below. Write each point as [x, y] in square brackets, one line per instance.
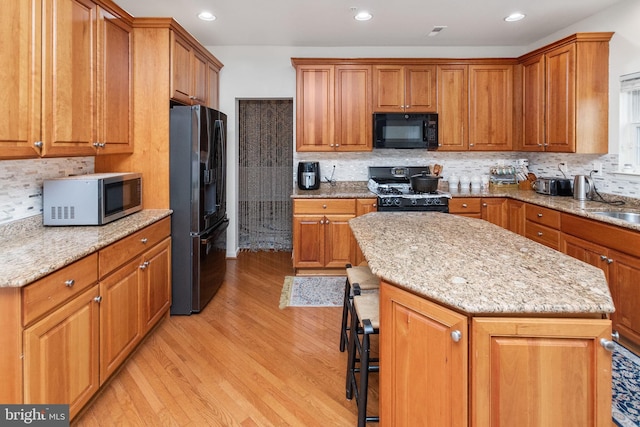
[198, 200]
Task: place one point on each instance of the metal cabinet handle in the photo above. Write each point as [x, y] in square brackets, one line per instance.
[456, 335]
[539, 233]
[98, 299]
[464, 205]
[539, 215]
[69, 283]
[326, 221]
[324, 206]
[608, 345]
[603, 257]
[322, 221]
[375, 205]
[484, 205]
[144, 240]
[99, 144]
[615, 335]
[38, 144]
[609, 260]
[144, 265]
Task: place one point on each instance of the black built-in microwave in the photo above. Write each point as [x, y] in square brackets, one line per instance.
[404, 130]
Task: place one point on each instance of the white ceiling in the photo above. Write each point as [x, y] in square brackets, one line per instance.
[329, 23]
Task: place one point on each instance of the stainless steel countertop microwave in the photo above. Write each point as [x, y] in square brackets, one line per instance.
[92, 199]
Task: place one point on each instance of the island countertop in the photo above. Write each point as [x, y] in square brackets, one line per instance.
[477, 267]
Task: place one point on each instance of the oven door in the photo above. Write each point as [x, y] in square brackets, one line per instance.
[397, 130]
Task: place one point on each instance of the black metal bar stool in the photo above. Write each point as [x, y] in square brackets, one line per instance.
[359, 278]
[365, 321]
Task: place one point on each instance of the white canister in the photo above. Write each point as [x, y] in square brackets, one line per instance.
[465, 181]
[453, 182]
[475, 182]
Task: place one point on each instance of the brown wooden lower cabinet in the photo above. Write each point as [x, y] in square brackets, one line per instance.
[322, 238]
[617, 252]
[78, 326]
[440, 367]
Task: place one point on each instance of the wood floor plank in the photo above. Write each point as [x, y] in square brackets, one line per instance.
[241, 362]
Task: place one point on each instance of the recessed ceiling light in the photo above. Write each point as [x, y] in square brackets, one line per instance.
[517, 16]
[363, 16]
[207, 16]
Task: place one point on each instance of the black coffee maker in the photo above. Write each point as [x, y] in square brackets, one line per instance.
[308, 175]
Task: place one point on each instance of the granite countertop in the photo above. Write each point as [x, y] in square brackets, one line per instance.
[477, 267]
[29, 250]
[358, 189]
[340, 190]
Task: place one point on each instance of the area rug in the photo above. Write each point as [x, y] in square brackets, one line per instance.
[314, 291]
[626, 388]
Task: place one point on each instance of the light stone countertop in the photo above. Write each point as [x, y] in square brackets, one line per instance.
[358, 189]
[477, 267]
[30, 251]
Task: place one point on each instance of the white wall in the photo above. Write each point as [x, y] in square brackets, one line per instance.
[266, 72]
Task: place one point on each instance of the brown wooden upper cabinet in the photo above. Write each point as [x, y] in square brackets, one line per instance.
[453, 107]
[404, 88]
[55, 107]
[333, 107]
[565, 95]
[491, 107]
[194, 78]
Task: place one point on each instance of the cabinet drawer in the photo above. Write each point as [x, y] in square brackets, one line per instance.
[464, 205]
[324, 206]
[543, 234]
[123, 250]
[544, 216]
[49, 292]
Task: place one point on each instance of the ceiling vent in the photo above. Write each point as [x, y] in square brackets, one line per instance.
[436, 30]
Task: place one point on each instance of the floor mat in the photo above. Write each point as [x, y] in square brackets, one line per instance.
[314, 291]
[626, 388]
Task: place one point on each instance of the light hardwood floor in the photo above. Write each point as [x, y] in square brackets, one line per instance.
[241, 362]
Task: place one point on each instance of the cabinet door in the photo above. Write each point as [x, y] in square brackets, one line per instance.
[494, 210]
[388, 88]
[560, 99]
[364, 206]
[423, 371]
[420, 88]
[181, 69]
[61, 355]
[339, 243]
[533, 97]
[353, 108]
[200, 79]
[540, 372]
[625, 290]
[155, 284]
[114, 87]
[308, 241]
[314, 108]
[453, 108]
[20, 79]
[588, 252]
[68, 80]
[516, 216]
[491, 107]
[120, 322]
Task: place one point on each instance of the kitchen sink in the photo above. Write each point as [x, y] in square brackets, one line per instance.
[632, 217]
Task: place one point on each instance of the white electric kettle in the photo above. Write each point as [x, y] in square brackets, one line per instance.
[582, 187]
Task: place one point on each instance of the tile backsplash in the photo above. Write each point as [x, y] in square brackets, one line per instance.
[21, 183]
[353, 166]
[21, 180]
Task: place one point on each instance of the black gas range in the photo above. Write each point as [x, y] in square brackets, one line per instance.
[393, 187]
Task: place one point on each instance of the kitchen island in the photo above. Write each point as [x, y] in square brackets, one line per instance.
[483, 327]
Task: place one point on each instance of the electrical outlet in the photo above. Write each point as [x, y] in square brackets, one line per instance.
[597, 166]
[563, 167]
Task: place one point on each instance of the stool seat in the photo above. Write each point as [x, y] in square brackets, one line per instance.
[363, 276]
[368, 307]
